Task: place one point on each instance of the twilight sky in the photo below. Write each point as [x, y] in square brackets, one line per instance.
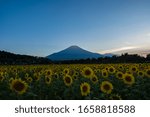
[42, 27]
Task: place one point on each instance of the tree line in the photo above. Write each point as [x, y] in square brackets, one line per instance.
[7, 58]
[124, 58]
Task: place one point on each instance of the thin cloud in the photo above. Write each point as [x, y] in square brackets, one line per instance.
[148, 34]
[118, 49]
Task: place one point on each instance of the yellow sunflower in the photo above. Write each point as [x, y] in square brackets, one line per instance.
[111, 70]
[141, 74]
[48, 72]
[94, 79]
[48, 80]
[106, 87]
[36, 76]
[18, 86]
[1, 77]
[66, 71]
[119, 75]
[133, 69]
[104, 74]
[128, 79]
[85, 89]
[29, 79]
[67, 80]
[147, 73]
[87, 72]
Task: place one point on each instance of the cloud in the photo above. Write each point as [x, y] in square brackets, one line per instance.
[118, 49]
[148, 35]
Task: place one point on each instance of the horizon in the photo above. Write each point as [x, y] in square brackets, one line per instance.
[43, 27]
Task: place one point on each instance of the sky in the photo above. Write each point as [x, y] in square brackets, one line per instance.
[42, 27]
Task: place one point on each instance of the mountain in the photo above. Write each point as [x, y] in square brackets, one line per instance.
[73, 53]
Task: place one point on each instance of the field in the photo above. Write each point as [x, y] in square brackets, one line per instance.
[78, 81]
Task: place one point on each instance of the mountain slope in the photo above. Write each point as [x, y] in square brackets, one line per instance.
[73, 53]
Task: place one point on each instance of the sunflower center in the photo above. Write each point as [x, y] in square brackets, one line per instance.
[111, 69]
[87, 72]
[148, 72]
[106, 87]
[104, 73]
[140, 73]
[47, 79]
[94, 79]
[120, 75]
[84, 88]
[48, 73]
[128, 78]
[19, 86]
[133, 69]
[68, 80]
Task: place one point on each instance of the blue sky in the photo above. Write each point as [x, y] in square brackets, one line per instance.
[42, 27]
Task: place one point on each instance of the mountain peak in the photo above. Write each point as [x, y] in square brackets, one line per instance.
[73, 53]
[74, 47]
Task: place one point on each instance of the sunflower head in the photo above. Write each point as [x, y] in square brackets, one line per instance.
[48, 80]
[87, 72]
[129, 79]
[18, 86]
[1, 77]
[104, 74]
[133, 69]
[148, 73]
[29, 79]
[48, 72]
[66, 71]
[67, 80]
[111, 70]
[36, 77]
[94, 79]
[141, 74]
[119, 75]
[106, 87]
[85, 89]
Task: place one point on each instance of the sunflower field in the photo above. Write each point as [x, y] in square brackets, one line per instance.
[75, 82]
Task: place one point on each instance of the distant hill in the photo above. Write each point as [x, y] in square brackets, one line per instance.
[7, 58]
[73, 53]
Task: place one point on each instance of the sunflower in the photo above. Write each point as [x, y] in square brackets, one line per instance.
[29, 79]
[36, 76]
[104, 74]
[115, 97]
[48, 72]
[133, 69]
[148, 73]
[106, 87]
[141, 74]
[128, 79]
[55, 76]
[94, 79]
[119, 75]
[1, 77]
[66, 71]
[75, 77]
[85, 89]
[18, 86]
[111, 70]
[87, 72]
[67, 80]
[48, 80]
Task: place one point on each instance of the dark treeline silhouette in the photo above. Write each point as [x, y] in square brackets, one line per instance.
[124, 58]
[7, 58]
